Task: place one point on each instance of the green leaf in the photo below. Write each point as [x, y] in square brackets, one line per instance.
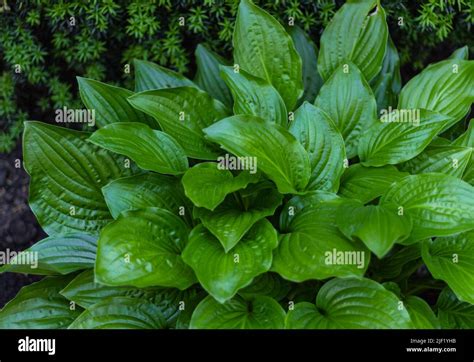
[150, 76]
[147, 190]
[231, 220]
[450, 160]
[255, 96]
[452, 259]
[67, 174]
[324, 144]
[238, 313]
[208, 74]
[150, 149]
[267, 284]
[358, 33]
[446, 87]
[142, 248]
[109, 103]
[376, 226]
[223, 273]
[387, 84]
[39, 306]
[367, 183]
[277, 151]
[121, 313]
[399, 264]
[398, 137]
[263, 48]
[62, 254]
[314, 248]
[348, 100]
[454, 314]
[439, 205]
[308, 52]
[350, 303]
[461, 53]
[422, 316]
[182, 113]
[208, 183]
[467, 138]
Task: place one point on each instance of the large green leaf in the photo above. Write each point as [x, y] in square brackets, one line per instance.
[182, 113]
[314, 248]
[109, 103]
[421, 314]
[208, 183]
[67, 174]
[454, 314]
[147, 190]
[256, 96]
[231, 220]
[358, 32]
[62, 254]
[263, 48]
[121, 313]
[452, 259]
[439, 205]
[350, 303]
[40, 306]
[308, 52]
[150, 76]
[450, 160]
[150, 149]
[208, 74]
[446, 87]
[143, 248]
[399, 137]
[367, 183]
[269, 284]
[277, 151]
[348, 100]
[324, 144]
[260, 312]
[378, 227]
[223, 273]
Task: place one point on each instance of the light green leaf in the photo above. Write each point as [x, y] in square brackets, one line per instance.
[182, 113]
[461, 53]
[446, 87]
[208, 77]
[109, 103]
[376, 226]
[348, 100]
[263, 48]
[439, 205]
[358, 33]
[454, 314]
[367, 183]
[314, 248]
[277, 151]
[421, 314]
[142, 248]
[231, 220]
[450, 160]
[62, 254]
[238, 313]
[308, 52]
[150, 76]
[150, 149]
[255, 96]
[208, 183]
[398, 137]
[324, 144]
[67, 174]
[39, 306]
[147, 190]
[354, 303]
[121, 313]
[223, 273]
[452, 259]
[268, 284]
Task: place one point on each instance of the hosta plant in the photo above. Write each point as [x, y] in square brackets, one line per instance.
[287, 188]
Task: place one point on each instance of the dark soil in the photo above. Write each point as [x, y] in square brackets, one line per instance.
[18, 226]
